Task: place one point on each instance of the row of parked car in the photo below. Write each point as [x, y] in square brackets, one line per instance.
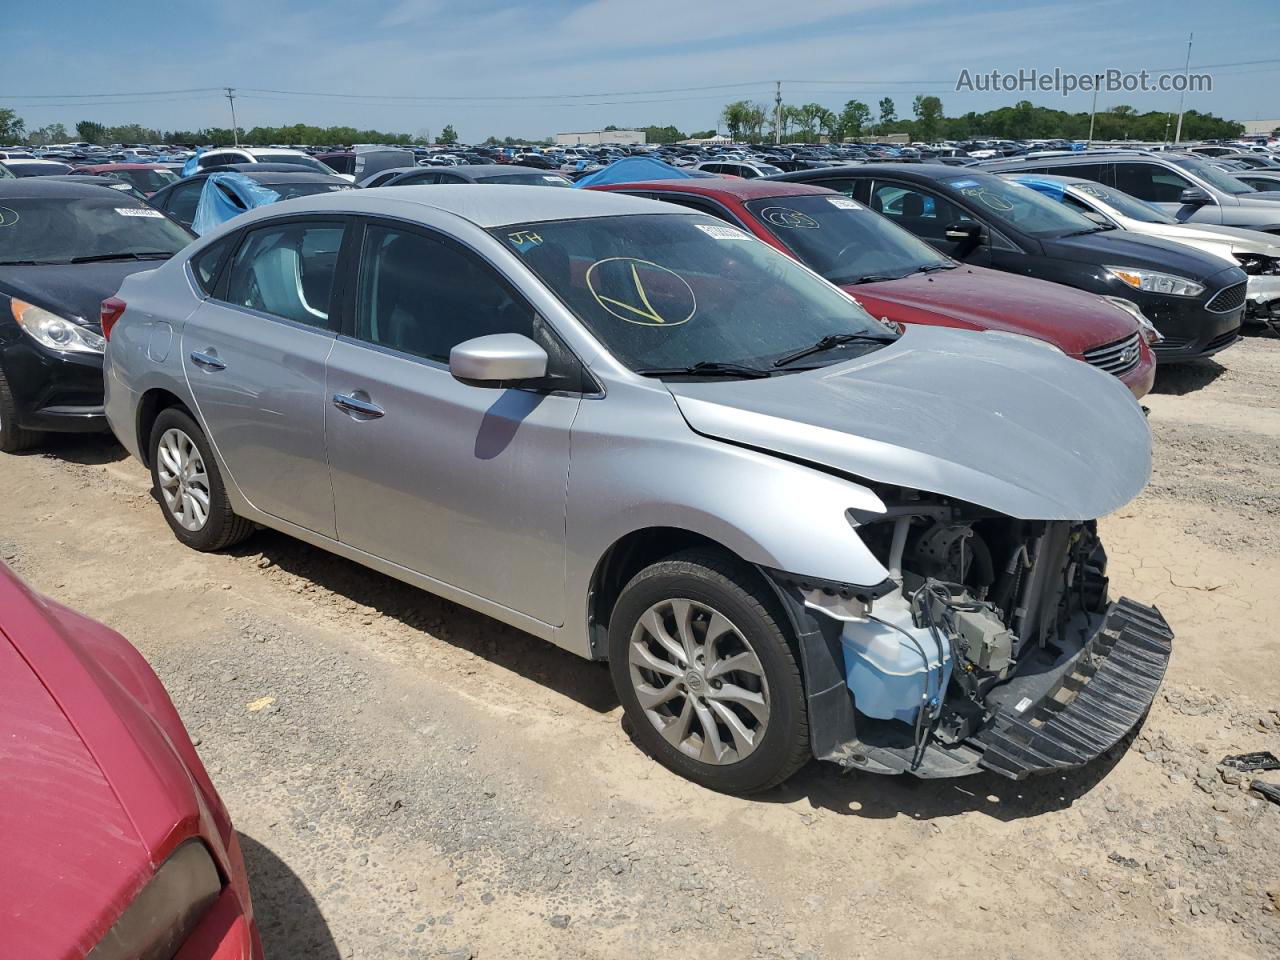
[813, 460]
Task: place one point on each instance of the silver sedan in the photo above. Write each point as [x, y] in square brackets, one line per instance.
[647, 437]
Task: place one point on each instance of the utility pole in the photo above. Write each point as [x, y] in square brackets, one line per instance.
[777, 111]
[231, 96]
[1092, 113]
[1186, 73]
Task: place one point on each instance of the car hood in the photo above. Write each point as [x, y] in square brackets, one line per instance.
[1240, 239]
[70, 848]
[72, 290]
[1124, 248]
[987, 418]
[1071, 319]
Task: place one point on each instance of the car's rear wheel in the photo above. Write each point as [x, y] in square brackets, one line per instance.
[12, 437]
[706, 673]
[189, 486]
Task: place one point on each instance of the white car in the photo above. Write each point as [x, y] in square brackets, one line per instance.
[221, 155]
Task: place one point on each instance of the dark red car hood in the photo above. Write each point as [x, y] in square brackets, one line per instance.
[96, 785]
[979, 298]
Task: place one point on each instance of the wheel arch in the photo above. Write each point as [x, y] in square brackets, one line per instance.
[150, 405]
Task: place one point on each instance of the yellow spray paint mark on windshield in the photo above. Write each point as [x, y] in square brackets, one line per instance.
[641, 310]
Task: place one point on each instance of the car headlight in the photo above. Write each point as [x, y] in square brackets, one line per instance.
[166, 911]
[1149, 331]
[55, 332]
[1153, 281]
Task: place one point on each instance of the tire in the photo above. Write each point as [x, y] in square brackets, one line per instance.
[198, 511]
[748, 672]
[13, 438]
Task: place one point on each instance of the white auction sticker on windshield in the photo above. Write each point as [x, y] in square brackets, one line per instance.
[139, 212]
[722, 233]
[844, 203]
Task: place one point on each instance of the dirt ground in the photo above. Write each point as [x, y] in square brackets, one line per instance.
[414, 780]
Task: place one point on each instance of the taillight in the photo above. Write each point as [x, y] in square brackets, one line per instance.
[112, 310]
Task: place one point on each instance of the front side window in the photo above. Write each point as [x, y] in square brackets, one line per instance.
[1212, 175]
[673, 290]
[287, 271]
[421, 296]
[183, 200]
[1151, 182]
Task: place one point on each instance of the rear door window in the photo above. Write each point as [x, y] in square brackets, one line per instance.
[1151, 182]
[287, 270]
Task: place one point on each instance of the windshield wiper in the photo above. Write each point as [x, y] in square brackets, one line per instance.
[26, 263]
[102, 257]
[1098, 229]
[871, 278]
[935, 267]
[829, 341]
[707, 368]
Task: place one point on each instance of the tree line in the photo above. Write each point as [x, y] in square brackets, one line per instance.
[755, 122]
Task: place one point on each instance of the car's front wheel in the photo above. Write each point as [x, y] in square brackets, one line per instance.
[189, 486]
[12, 437]
[706, 674]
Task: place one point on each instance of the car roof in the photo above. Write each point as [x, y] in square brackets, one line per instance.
[295, 175]
[124, 166]
[34, 187]
[486, 206]
[755, 189]
[918, 171]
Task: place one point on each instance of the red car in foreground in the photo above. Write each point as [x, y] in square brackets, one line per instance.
[900, 277]
[116, 845]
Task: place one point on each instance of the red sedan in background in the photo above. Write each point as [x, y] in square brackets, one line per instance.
[900, 277]
[147, 178]
[116, 845]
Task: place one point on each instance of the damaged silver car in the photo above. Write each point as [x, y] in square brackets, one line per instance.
[647, 437]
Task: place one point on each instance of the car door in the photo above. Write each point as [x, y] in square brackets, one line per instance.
[919, 210]
[255, 360]
[463, 484]
[1161, 186]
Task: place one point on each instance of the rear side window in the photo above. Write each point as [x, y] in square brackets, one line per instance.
[288, 271]
[183, 200]
[207, 264]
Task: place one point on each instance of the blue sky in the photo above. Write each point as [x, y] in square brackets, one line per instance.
[611, 51]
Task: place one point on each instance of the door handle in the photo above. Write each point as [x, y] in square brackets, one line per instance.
[353, 404]
[208, 361]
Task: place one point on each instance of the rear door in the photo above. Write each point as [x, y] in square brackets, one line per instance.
[460, 483]
[255, 360]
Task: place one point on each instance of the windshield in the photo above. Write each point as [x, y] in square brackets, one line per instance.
[1214, 176]
[300, 160]
[58, 229]
[531, 179]
[1123, 203]
[38, 168]
[767, 169]
[148, 181]
[1019, 206]
[672, 290]
[843, 240]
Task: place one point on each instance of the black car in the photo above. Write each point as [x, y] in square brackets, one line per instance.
[504, 173]
[92, 180]
[64, 248]
[179, 200]
[1195, 302]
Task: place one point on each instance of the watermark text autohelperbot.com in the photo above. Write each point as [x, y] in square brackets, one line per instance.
[1065, 83]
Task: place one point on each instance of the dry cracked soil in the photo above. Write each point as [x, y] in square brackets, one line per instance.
[413, 780]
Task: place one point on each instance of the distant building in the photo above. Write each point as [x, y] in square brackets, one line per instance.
[594, 138]
[1260, 128]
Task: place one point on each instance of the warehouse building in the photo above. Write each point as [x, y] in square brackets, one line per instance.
[594, 138]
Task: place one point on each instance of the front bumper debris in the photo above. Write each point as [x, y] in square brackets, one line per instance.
[1104, 696]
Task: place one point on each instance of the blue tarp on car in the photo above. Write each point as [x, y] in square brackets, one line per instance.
[227, 195]
[634, 170]
[1049, 188]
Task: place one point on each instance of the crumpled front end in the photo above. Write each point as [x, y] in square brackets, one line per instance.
[992, 644]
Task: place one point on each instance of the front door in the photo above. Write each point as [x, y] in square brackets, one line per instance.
[460, 483]
[255, 361]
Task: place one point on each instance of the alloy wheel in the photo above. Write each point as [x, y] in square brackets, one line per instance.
[184, 483]
[699, 681]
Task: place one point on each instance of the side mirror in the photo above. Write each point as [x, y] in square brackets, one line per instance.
[497, 360]
[964, 232]
[1194, 197]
